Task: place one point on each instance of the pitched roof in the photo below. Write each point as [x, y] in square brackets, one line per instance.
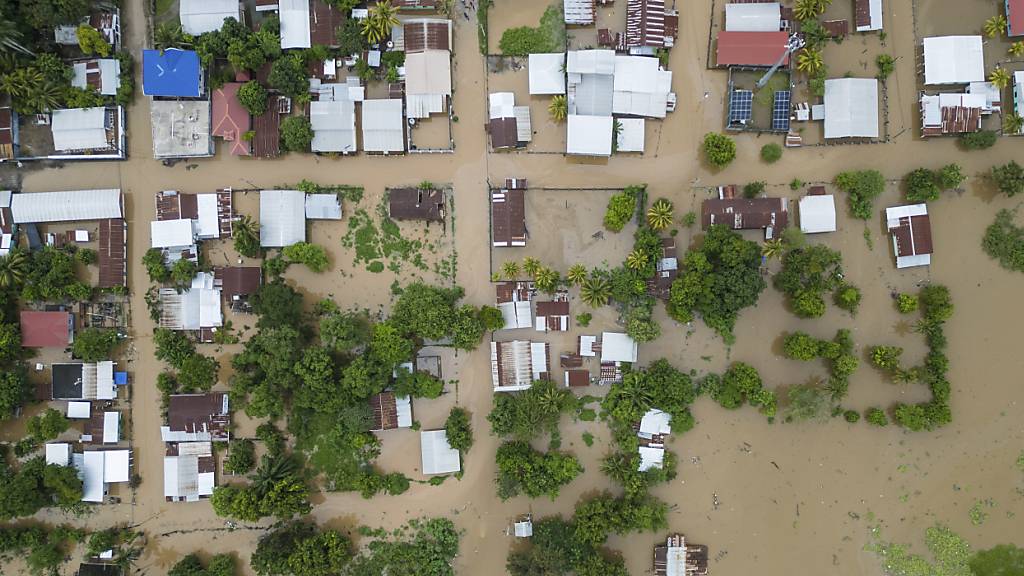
[818, 213]
[295, 20]
[645, 23]
[953, 60]
[416, 204]
[334, 125]
[851, 108]
[438, 457]
[423, 34]
[282, 218]
[103, 74]
[911, 230]
[71, 206]
[547, 73]
[324, 19]
[589, 135]
[112, 253]
[746, 213]
[171, 72]
[383, 125]
[1014, 17]
[79, 129]
[230, 119]
[197, 417]
[199, 16]
[390, 411]
[238, 280]
[41, 329]
[508, 217]
[751, 48]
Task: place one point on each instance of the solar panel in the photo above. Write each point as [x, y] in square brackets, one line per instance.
[780, 113]
[741, 104]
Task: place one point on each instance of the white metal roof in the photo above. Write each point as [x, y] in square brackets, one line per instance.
[818, 214]
[538, 359]
[655, 421]
[58, 453]
[650, 457]
[516, 314]
[109, 71]
[590, 62]
[111, 427]
[641, 88]
[115, 465]
[953, 60]
[618, 347]
[323, 207]
[428, 72]
[578, 12]
[502, 105]
[547, 73]
[172, 233]
[334, 125]
[92, 477]
[765, 17]
[589, 135]
[78, 410]
[524, 529]
[403, 407]
[282, 218]
[875, 12]
[208, 223]
[892, 215]
[631, 138]
[294, 16]
[66, 206]
[437, 455]
[79, 129]
[851, 108]
[383, 126]
[198, 16]
[587, 345]
[182, 478]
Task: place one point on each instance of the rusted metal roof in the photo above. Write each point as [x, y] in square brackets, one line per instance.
[751, 48]
[746, 213]
[577, 378]
[267, 141]
[113, 253]
[324, 19]
[427, 34]
[237, 280]
[385, 411]
[913, 235]
[646, 23]
[193, 413]
[508, 217]
[416, 204]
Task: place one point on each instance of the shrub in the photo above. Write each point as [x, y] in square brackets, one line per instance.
[921, 186]
[753, 189]
[719, 149]
[848, 297]
[886, 357]
[241, 457]
[621, 208]
[862, 187]
[851, 416]
[86, 256]
[906, 303]
[253, 97]
[458, 430]
[296, 134]
[771, 153]
[800, 346]
[876, 417]
[312, 255]
[886, 64]
[1009, 178]
[155, 265]
[584, 319]
[978, 140]
[950, 176]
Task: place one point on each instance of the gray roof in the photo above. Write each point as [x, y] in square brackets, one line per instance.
[323, 207]
[71, 206]
[282, 218]
[595, 95]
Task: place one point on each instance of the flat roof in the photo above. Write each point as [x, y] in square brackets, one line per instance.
[953, 60]
[438, 457]
[547, 73]
[323, 207]
[172, 233]
[181, 128]
[334, 125]
[238, 280]
[818, 214]
[383, 125]
[71, 206]
[589, 135]
[282, 218]
[45, 329]
[295, 32]
[757, 17]
[751, 48]
[199, 16]
[618, 347]
[508, 217]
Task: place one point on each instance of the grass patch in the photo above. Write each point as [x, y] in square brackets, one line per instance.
[950, 554]
[588, 438]
[481, 24]
[377, 238]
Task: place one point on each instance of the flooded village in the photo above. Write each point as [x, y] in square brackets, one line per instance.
[511, 286]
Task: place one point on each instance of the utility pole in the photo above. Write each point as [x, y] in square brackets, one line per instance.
[794, 43]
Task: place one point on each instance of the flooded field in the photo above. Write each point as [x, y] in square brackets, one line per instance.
[766, 498]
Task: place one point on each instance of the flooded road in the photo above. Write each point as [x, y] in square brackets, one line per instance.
[765, 497]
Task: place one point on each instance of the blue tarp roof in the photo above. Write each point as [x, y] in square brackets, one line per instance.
[170, 73]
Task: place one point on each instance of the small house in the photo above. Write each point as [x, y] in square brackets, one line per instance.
[171, 73]
[383, 126]
[295, 20]
[189, 471]
[99, 468]
[323, 207]
[753, 17]
[112, 253]
[513, 299]
[509, 125]
[508, 214]
[197, 418]
[589, 135]
[428, 83]
[867, 15]
[237, 284]
[769, 214]
[334, 125]
[42, 329]
[200, 16]
[751, 49]
[649, 26]
[618, 347]
[553, 316]
[516, 364]
[579, 12]
[911, 231]
[282, 218]
[100, 74]
[83, 381]
[390, 411]
[437, 456]
[231, 121]
[196, 309]
[818, 213]
[418, 203]
[547, 74]
[952, 113]
[577, 378]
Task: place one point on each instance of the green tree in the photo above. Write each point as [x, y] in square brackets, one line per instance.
[659, 215]
[521, 469]
[595, 290]
[1009, 178]
[241, 456]
[906, 303]
[847, 297]
[876, 417]
[15, 391]
[806, 274]
[253, 97]
[389, 346]
[524, 415]
[11, 39]
[247, 237]
[771, 153]
[377, 25]
[886, 357]
[350, 38]
[621, 208]
[296, 134]
[183, 271]
[277, 304]
[156, 266]
[90, 41]
[719, 149]
[754, 189]
[862, 187]
[979, 140]
[810, 61]
[312, 255]
[458, 430]
[95, 344]
[13, 268]
[172, 346]
[288, 74]
[950, 177]
[886, 66]
[48, 425]
[995, 26]
[345, 331]
[921, 185]
[65, 485]
[198, 372]
[1004, 241]
[800, 346]
[1001, 560]
[510, 270]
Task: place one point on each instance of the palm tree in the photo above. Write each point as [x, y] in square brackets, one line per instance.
[636, 260]
[272, 470]
[810, 9]
[617, 466]
[595, 291]
[546, 279]
[995, 26]
[558, 108]
[809, 61]
[634, 392]
[577, 274]
[510, 269]
[170, 35]
[1017, 48]
[659, 215]
[12, 269]
[377, 25]
[44, 97]
[551, 399]
[773, 248]
[1013, 124]
[21, 82]
[10, 38]
[531, 266]
[999, 77]
[247, 237]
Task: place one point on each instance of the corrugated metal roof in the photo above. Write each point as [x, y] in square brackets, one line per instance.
[383, 126]
[282, 218]
[294, 16]
[438, 456]
[66, 206]
[199, 16]
[323, 207]
[334, 125]
[79, 129]
[172, 233]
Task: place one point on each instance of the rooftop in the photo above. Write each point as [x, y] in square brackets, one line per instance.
[516, 364]
[818, 214]
[953, 60]
[438, 457]
[547, 73]
[324, 19]
[508, 217]
[911, 232]
[390, 411]
[851, 108]
[423, 34]
[334, 125]
[102, 74]
[760, 49]
[181, 128]
[589, 135]
[199, 16]
[46, 329]
[753, 17]
[416, 204]
[197, 417]
[746, 213]
[171, 73]
[238, 281]
[282, 218]
[70, 206]
[295, 20]
[383, 125]
[230, 119]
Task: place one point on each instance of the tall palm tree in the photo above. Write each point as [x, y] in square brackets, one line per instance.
[510, 270]
[170, 35]
[999, 77]
[810, 9]
[595, 291]
[44, 97]
[12, 269]
[809, 61]
[10, 38]
[577, 274]
[634, 392]
[272, 470]
[659, 215]
[617, 466]
[773, 248]
[21, 82]
[1013, 124]
[995, 26]
[377, 25]
[1016, 49]
[558, 108]
[636, 260]
[547, 280]
[531, 265]
[247, 237]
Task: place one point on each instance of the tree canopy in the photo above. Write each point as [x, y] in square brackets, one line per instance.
[861, 187]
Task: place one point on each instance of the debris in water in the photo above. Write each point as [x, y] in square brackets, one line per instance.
[776, 465]
[715, 501]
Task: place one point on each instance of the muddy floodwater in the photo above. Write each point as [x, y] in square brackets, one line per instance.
[769, 499]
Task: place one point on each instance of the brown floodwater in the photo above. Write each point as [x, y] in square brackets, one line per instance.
[765, 497]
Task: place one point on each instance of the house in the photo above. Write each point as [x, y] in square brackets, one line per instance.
[173, 235]
[199, 16]
[390, 411]
[266, 142]
[631, 137]
[416, 204]
[547, 73]
[334, 125]
[107, 21]
[953, 60]
[649, 26]
[189, 471]
[41, 329]
[641, 87]
[171, 73]
[1014, 17]
[295, 32]
[383, 126]
[770, 214]
[677, 558]
[323, 207]
[437, 456]
[423, 34]
[112, 253]
[753, 49]
[211, 213]
[943, 114]
[757, 17]
[324, 20]
[99, 468]
[101, 74]
[818, 213]
[58, 454]
[194, 309]
[111, 427]
[79, 410]
[587, 346]
[83, 381]
[237, 284]
[508, 214]
[516, 364]
[911, 231]
[553, 316]
[579, 12]
[513, 299]
[428, 82]
[80, 129]
[618, 347]
[867, 15]
[851, 108]
[589, 135]
[71, 206]
[509, 124]
[231, 121]
[197, 418]
[181, 128]
[282, 218]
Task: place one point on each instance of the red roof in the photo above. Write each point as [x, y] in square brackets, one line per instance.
[751, 48]
[230, 119]
[45, 329]
[1015, 17]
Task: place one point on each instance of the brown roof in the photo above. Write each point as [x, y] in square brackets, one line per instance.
[238, 280]
[578, 377]
[416, 204]
[113, 253]
[746, 213]
[504, 133]
[646, 23]
[512, 292]
[816, 191]
[324, 19]
[45, 329]
[913, 235]
[199, 413]
[508, 217]
[385, 411]
[267, 141]
[423, 35]
[6, 135]
[836, 28]
[862, 12]
[666, 269]
[553, 312]
[173, 205]
[570, 360]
